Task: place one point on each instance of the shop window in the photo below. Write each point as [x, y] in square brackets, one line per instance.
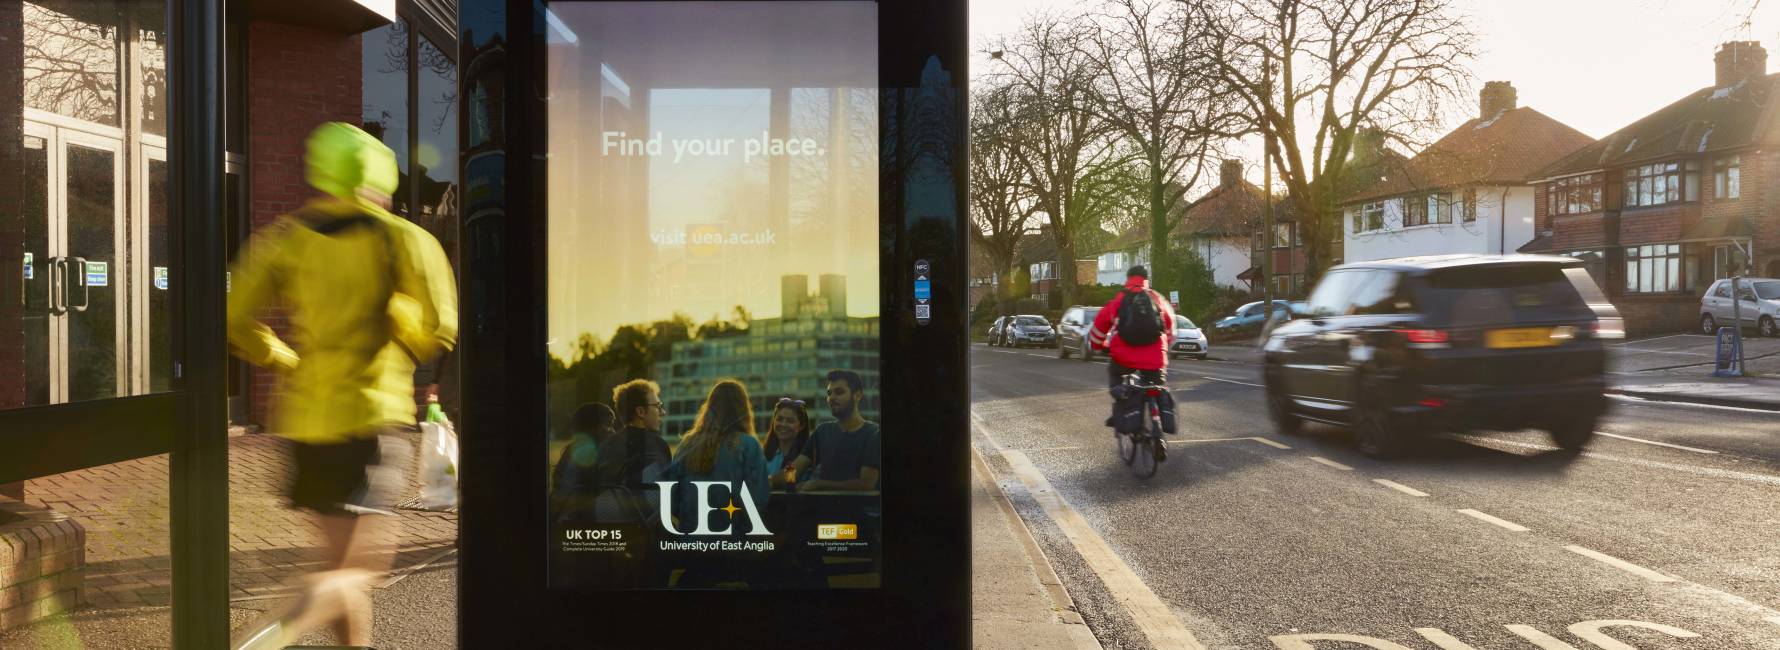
[385, 98]
[72, 63]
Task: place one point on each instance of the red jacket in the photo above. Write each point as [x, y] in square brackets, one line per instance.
[1105, 332]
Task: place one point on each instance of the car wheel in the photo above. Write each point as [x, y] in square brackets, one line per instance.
[1280, 407]
[1200, 357]
[1574, 433]
[1708, 325]
[1087, 351]
[1062, 350]
[1767, 327]
[1378, 433]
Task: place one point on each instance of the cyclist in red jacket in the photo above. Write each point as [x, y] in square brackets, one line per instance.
[1136, 335]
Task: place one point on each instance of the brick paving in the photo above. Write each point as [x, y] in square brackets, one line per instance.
[125, 510]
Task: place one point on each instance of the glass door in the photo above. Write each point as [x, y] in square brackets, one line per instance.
[74, 265]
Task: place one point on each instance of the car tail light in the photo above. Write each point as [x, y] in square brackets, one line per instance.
[1426, 338]
[1433, 402]
[1606, 328]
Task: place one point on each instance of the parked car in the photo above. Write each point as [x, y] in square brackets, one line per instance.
[1072, 332]
[1760, 306]
[1189, 340]
[995, 330]
[1028, 330]
[1399, 348]
[1248, 319]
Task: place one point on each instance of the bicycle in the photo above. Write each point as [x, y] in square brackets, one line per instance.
[1144, 450]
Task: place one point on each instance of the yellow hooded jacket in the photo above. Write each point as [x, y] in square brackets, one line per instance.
[368, 294]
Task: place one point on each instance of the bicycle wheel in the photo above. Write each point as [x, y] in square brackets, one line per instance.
[1145, 464]
[1127, 447]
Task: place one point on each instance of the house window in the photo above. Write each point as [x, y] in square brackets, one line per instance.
[1415, 211]
[1727, 177]
[1282, 235]
[1595, 261]
[1574, 195]
[1653, 269]
[1468, 210]
[1371, 217]
[1661, 183]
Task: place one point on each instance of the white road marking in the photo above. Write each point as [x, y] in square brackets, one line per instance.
[1774, 619]
[1232, 381]
[1302, 641]
[1541, 639]
[1152, 615]
[1656, 402]
[1441, 639]
[1041, 356]
[1400, 487]
[1331, 463]
[1270, 442]
[1659, 444]
[1494, 520]
[1590, 631]
[1622, 565]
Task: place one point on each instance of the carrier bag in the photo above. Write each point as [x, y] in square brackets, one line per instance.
[438, 463]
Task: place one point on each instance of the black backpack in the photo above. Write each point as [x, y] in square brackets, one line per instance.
[1140, 323]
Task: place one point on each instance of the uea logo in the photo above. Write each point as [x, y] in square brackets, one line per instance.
[756, 526]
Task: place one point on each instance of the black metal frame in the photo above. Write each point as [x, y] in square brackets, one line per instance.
[502, 594]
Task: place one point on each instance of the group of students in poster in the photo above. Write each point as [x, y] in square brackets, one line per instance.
[780, 481]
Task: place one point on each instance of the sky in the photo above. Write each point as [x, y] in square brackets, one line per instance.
[1595, 65]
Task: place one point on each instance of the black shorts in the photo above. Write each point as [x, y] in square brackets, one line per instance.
[344, 479]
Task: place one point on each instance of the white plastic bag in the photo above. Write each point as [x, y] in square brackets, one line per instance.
[438, 465]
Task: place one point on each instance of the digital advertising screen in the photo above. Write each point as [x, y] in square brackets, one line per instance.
[713, 296]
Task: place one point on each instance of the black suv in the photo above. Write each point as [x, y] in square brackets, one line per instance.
[1397, 348]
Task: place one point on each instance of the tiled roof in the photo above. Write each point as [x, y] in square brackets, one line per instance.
[1508, 147]
[1707, 119]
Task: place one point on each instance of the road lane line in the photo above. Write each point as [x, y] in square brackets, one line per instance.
[1400, 487]
[1659, 444]
[1232, 381]
[1622, 565]
[1271, 442]
[1690, 469]
[1653, 402]
[1331, 463]
[1041, 356]
[1541, 639]
[1153, 617]
[1495, 520]
[1774, 619]
[1443, 640]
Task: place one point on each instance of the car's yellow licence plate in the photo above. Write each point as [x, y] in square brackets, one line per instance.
[1522, 337]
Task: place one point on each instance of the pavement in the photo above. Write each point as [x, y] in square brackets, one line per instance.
[1658, 536]
[124, 508]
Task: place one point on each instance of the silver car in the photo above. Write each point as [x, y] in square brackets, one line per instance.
[1759, 308]
[1189, 340]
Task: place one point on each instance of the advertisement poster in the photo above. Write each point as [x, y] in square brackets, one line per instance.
[714, 353]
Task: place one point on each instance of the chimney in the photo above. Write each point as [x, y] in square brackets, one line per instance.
[1229, 173]
[1497, 96]
[1739, 60]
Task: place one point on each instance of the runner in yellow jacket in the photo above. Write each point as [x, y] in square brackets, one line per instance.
[368, 295]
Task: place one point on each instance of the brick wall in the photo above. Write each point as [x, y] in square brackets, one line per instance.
[1761, 188]
[1655, 225]
[1541, 217]
[297, 78]
[42, 564]
[1658, 314]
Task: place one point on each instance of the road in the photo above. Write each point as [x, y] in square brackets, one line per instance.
[1664, 534]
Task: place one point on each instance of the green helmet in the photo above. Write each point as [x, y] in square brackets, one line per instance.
[343, 161]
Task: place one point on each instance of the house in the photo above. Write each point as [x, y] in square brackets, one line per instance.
[1037, 254]
[1676, 199]
[1471, 191]
[1370, 163]
[1216, 225]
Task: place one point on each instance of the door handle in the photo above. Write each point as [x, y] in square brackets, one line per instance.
[86, 295]
[56, 266]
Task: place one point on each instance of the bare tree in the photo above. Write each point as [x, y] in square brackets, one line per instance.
[1151, 88]
[1001, 204]
[1062, 142]
[1316, 72]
